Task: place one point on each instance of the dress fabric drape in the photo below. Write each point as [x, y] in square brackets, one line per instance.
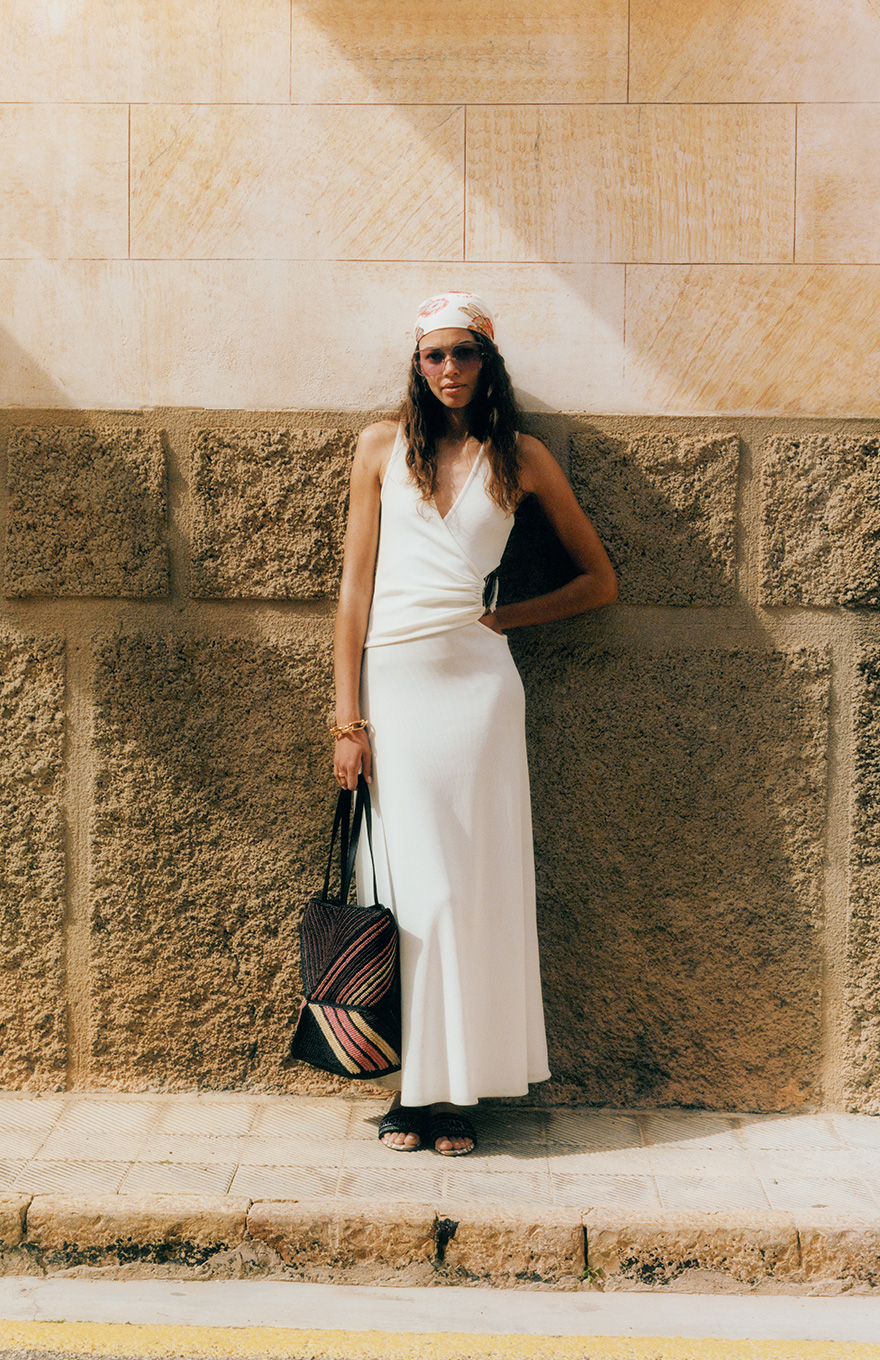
[452, 816]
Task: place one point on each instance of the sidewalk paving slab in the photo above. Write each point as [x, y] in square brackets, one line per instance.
[253, 1184]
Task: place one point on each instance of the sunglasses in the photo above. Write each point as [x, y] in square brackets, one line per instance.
[433, 361]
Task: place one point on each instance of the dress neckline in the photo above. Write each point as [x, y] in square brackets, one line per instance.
[470, 477]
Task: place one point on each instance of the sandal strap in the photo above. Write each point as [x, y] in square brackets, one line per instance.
[402, 1119]
[449, 1124]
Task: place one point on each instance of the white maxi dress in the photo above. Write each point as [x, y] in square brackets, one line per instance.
[450, 793]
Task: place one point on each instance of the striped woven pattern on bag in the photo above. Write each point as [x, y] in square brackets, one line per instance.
[349, 954]
[354, 1041]
[349, 959]
[361, 975]
[349, 1022]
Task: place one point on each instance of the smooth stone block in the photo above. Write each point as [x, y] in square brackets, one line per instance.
[629, 183]
[820, 521]
[838, 184]
[331, 182]
[72, 335]
[665, 507]
[139, 51]
[752, 339]
[502, 50]
[270, 512]
[65, 189]
[86, 512]
[276, 334]
[796, 50]
[33, 1004]
[679, 810]
[213, 798]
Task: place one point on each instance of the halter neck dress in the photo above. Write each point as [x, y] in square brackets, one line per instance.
[451, 811]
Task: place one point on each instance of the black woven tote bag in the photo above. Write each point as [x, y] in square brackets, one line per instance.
[349, 1022]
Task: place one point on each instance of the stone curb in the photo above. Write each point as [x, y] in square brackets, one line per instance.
[13, 1212]
[497, 1244]
[112, 1222]
[648, 1248]
[652, 1248]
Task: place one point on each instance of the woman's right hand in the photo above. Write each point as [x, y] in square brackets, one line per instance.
[353, 756]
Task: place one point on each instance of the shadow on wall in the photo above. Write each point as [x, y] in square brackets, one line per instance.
[212, 804]
[84, 512]
[679, 804]
[20, 373]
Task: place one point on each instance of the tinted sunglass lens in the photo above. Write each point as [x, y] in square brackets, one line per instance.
[431, 361]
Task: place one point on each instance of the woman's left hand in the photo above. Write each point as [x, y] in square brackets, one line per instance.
[490, 620]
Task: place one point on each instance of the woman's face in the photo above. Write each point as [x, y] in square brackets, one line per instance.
[450, 362]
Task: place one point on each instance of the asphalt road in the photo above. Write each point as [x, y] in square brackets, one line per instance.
[43, 1318]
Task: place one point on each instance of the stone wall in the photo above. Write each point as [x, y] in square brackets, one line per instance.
[216, 222]
[703, 753]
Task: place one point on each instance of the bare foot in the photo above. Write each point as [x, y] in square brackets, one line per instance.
[401, 1127]
[458, 1142]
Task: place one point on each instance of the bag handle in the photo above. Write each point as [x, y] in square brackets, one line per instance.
[363, 812]
[348, 830]
[340, 821]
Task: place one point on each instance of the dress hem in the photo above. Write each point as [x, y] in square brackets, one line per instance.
[386, 1083]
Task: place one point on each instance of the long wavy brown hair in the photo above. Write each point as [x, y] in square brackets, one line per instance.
[493, 418]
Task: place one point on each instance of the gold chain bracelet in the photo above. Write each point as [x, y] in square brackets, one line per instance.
[357, 726]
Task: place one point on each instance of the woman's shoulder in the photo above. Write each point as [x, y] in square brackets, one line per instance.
[534, 458]
[379, 435]
[529, 447]
[376, 443]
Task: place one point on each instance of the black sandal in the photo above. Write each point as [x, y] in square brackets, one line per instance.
[451, 1124]
[403, 1119]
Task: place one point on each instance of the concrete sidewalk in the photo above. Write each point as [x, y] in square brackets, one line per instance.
[247, 1184]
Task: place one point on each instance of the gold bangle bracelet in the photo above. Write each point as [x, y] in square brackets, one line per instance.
[357, 726]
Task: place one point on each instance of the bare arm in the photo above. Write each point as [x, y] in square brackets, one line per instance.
[374, 446]
[596, 582]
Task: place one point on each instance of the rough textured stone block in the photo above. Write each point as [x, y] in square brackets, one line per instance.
[32, 1003]
[679, 806]
[126, 1223]
[863, 930]
[321, 1234]
[820, 521]
[653, 1249]
[838, 1247]
[270, 512]
[502, 1246]
[213, 797]
[86, 513]
[664, 506]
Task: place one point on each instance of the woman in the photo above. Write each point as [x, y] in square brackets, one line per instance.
[429, 706]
